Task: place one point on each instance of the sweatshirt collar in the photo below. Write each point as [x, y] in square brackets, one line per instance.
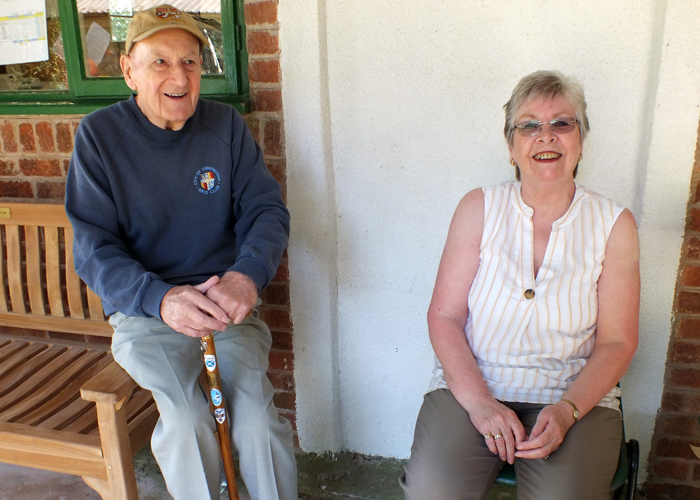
[145, 127]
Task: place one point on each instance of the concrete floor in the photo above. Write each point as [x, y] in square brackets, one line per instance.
[344, 476]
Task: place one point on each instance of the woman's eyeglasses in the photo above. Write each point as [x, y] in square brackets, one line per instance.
[533, 128]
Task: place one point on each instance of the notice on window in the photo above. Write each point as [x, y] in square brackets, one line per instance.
[23, 31]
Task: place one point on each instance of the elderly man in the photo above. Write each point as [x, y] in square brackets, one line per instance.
[178, 227]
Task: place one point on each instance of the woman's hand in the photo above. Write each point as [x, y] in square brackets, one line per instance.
[493, 418]
[553, 422]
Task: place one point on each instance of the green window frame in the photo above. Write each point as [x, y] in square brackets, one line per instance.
[86, 94]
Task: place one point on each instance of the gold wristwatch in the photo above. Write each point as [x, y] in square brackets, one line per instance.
[573, 408]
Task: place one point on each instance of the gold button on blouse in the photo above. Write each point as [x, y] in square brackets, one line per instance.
[529, 293]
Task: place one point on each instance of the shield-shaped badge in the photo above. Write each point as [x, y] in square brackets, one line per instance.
[210, 362]
[216, 397]
[220, 415]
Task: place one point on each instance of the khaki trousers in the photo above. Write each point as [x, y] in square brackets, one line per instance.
[168, 364]
[450, 459]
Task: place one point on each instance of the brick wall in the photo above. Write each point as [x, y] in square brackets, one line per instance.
[35, 154]
[674, 469]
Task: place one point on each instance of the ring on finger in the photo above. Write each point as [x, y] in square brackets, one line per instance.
[488, 435]
[498, 436]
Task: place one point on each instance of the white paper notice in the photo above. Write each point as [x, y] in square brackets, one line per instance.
[23, 31]
[97, 39]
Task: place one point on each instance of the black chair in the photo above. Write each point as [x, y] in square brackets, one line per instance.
[625, 475]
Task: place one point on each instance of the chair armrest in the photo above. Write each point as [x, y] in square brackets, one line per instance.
[111, 385]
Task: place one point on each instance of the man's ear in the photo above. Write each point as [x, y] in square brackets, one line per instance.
[127, 65]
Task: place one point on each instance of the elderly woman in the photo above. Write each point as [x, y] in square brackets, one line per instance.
[534, 319]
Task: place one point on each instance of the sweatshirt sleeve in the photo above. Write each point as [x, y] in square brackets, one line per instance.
[262, 220]
[102, 259]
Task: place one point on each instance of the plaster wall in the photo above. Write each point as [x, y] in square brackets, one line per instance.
[393, 112]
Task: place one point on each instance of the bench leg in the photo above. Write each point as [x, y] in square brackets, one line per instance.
[100, 486]
[117, 452]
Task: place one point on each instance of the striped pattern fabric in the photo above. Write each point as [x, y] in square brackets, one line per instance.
[530, 347]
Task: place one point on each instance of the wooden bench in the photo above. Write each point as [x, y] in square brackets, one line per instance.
[44, 421]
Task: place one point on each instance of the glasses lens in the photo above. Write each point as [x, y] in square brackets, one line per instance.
[530, 128]
[563, 125]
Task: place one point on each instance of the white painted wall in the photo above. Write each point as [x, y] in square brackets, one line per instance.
[393, 112]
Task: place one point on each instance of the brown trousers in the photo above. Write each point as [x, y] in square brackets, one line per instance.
[450, 460]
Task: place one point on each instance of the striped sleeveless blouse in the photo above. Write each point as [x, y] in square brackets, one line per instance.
[531, 346]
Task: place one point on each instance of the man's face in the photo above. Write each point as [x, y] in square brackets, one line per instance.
[165, 70]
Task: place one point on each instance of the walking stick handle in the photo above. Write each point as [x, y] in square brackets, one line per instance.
[220, 413]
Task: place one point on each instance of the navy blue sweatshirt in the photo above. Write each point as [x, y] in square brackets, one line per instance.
[154, 208]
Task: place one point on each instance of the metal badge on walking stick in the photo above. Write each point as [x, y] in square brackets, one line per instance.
[217, 399]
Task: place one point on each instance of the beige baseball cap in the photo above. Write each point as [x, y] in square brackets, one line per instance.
[163, 17]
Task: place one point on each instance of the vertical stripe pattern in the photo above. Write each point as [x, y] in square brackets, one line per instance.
[531, 349]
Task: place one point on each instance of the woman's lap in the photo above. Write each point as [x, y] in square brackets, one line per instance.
[450, 460]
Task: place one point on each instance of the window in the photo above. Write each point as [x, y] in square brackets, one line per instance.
[85, 39]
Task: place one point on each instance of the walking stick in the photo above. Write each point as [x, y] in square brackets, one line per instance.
[217, 399]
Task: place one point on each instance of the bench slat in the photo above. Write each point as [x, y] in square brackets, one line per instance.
[15, 366]
[75, 301]
[3, 298]
[95, 306]
[14, 268]
[33, 251]
[52, 401]
[46, 384]
[53, 271]
[25, 382]
[66, 416]
[50, 323]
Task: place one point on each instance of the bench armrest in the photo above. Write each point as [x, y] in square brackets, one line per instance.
[111, 385]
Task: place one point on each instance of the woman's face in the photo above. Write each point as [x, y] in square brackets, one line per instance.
[547, 156]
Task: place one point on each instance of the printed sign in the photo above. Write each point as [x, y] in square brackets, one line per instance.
[210, 362]
[220, 415]
[216, 397]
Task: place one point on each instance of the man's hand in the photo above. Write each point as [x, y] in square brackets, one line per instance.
[553, 422]
[236, 294]
[186, 310]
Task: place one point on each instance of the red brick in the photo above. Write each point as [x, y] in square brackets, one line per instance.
[266, 100]
[7, 168]
[63, 137]
[75, 126]
[667, 491]
[681, 426]
[94, 339]
[263, 43]
[260, 13]
[690, 276]
[281, 360]
[694, 219]
[291, 416]
[684, 352]
[692, 250]
[7, 132]
[43, 168]
[26, 137]
[282, 273]
[285, 400]
[688, 302]
[683, 402]
[253, 123]
[276, 294]
[276, 318]
[696, 472]
[282, 341]
[676, 448]
[44, 134]
[283, 380]
[685, 377]
[278, 169]
[274, 145]
[66, 166]
[51, 190]
[688, 328]
[672, 469]
[15, 189]
[23, 332]
[264, 71]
